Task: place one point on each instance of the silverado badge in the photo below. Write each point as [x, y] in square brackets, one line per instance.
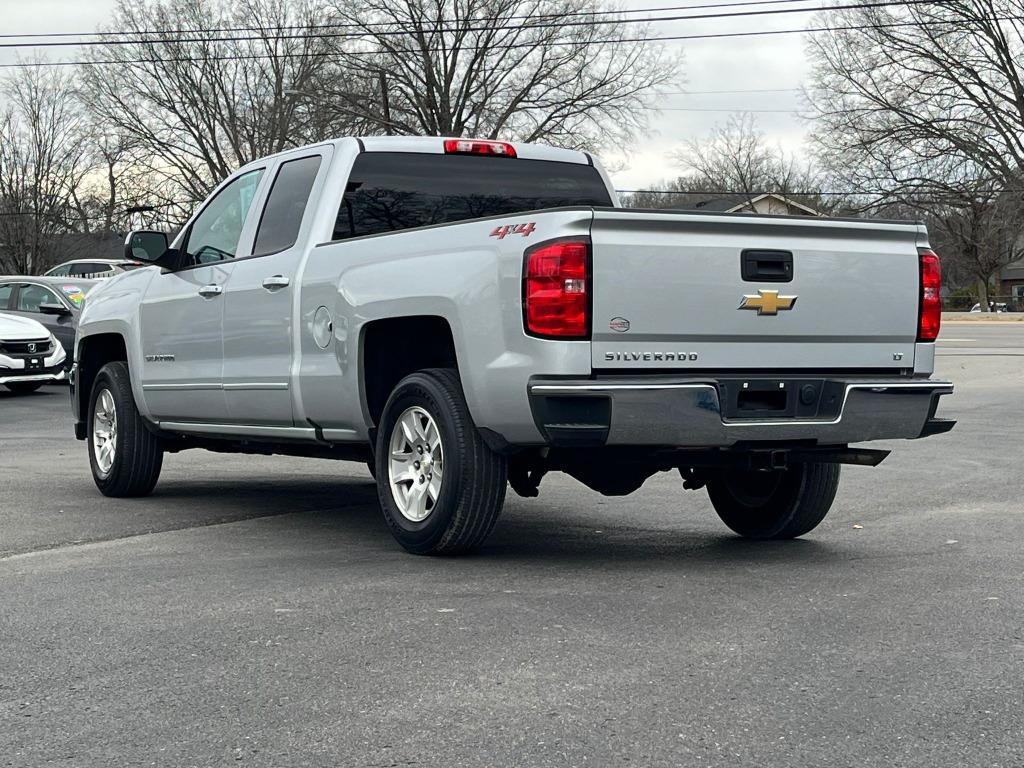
[767, 302]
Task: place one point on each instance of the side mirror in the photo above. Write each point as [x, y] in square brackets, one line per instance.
[54, 309]
[145, 245]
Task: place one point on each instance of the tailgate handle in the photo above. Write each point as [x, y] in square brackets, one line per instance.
[758, 266]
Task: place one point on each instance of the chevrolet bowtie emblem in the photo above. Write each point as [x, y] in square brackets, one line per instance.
[767, 302]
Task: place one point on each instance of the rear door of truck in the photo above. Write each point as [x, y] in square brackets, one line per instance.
[730, 292]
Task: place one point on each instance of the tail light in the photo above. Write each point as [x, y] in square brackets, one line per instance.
[556, 290]
[476, 147]
[929, 316]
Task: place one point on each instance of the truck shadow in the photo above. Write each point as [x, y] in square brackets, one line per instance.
[344, 514]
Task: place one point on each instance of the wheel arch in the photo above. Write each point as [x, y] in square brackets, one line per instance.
[392, 348]
[92, 353]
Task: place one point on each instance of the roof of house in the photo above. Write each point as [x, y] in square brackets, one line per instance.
[1013, 271]
[736, 203]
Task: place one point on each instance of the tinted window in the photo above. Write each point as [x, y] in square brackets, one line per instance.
[31, 296]
[89, 268]
[282, 215]
[62, 271]
[215, 233]
[5, 295]
[390, 190]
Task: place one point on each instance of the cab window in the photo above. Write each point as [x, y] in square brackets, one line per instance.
[5, 295]
[282, 215]
[30, 297]
[61, 271]
[215, 233]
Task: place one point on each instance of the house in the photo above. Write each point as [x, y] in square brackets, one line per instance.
[1011, 280]
[768, 203]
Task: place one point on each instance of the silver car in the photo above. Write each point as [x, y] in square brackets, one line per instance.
[54, 302]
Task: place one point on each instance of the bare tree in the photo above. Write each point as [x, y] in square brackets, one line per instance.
[734, 161]
[209, 86]
[897, 89]
[566, 72]
[923, 106]
[43, 160]
[978, 234]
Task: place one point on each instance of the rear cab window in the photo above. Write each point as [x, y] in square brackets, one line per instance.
[391, 191]
[286, 204]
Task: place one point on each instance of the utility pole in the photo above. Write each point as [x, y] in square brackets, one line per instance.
[385, 104]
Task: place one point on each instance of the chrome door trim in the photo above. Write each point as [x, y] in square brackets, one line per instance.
[244, 385]
[191, 385]
[260, 385]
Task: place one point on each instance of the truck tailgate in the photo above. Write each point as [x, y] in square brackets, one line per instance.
[668, 290]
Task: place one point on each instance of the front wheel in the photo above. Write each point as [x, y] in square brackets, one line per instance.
[125, 456]
[777, 504]
[441, 487]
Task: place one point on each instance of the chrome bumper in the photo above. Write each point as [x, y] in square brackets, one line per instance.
[11, 377]
[689, 413]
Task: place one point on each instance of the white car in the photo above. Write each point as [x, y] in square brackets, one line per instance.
[993, 307]
[93, 269]
[30, 356]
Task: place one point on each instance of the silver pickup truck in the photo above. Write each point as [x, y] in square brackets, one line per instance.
[469, 315]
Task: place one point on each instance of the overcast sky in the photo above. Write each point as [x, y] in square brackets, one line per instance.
[771, 62]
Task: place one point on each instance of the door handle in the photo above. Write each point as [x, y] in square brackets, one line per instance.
[209, 291]
[275, 281]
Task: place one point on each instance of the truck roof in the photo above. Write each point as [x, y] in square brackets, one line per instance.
[435, 145]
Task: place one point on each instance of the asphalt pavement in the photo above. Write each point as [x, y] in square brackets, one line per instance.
[255, 611]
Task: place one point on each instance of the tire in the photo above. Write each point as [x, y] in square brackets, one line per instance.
[781, 504]
[138, 454]
[23, 387]
[467, 498]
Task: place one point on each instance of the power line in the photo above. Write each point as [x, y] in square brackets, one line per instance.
[337, 25]
[721, 109]
[404, 32]
[735, 193]
[742, 90]
[671, 38]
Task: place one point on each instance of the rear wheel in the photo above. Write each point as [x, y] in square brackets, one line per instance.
[125, 456]
[778, 504]
[23, 387]
[441, 487]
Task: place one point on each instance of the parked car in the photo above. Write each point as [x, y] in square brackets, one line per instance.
[992, 306]
[93, 269]
[54, 302]
[468, 315]
[30, 356]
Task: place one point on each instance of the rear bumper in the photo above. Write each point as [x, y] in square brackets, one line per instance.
[689, 412]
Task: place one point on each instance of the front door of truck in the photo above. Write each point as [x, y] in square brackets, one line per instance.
[182, 313]
[259, 306]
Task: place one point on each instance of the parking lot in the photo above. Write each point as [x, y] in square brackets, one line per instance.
[256, 611]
